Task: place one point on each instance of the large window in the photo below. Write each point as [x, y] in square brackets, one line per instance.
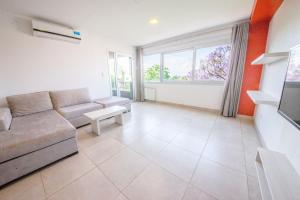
[178, 65]
[197, 64]
[151, 67]
[212, 63]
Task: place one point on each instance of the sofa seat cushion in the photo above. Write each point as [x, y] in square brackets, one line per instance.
[5, 119]
[26, 104]
[78, 110]
[64, 98]
[34, 132]
[112, 101]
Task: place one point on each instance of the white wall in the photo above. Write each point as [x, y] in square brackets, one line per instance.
[29, 64]
[198, 95]
[278, 133]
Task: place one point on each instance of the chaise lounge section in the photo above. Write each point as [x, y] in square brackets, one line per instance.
[115, 101]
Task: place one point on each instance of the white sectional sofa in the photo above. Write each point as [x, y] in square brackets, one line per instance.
[32, 135]
[38, 129]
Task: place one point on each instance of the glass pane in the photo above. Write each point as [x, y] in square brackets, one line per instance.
[151, 67]
[112, 71]
[212, 63]
[178, 65]
[124, 73]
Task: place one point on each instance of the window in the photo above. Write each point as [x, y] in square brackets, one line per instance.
[151, 67]
[178, 65]
[197, 64]
[212, 63]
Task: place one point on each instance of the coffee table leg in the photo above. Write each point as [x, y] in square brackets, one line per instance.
[119, 119]
[96, 127]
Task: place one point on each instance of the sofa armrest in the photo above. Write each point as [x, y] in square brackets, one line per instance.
[5, 119]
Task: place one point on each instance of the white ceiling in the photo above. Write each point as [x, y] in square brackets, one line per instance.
[127, 20]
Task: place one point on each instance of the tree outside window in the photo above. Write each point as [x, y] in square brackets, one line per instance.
[212, 63]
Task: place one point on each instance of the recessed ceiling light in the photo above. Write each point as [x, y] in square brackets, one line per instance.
[153, 21]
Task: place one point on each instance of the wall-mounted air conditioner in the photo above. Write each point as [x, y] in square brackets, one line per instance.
[54, 31]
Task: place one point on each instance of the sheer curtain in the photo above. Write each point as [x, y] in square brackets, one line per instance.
[238, 56]
[139, 93]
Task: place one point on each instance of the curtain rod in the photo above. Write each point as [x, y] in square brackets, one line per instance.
[194, 33]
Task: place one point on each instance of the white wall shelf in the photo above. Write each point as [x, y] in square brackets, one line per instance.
[268, 58]
[277, 177]
[259, 97]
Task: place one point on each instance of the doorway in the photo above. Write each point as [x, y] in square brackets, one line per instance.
[120, 70]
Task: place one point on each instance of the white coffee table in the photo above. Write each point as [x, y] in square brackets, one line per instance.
[105, 113]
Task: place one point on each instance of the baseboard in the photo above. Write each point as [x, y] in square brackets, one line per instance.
[185, 106]
[245, 117]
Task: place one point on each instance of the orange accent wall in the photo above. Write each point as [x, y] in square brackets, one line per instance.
[262, 13]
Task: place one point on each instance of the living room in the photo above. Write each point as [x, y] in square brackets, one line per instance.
[154, 100]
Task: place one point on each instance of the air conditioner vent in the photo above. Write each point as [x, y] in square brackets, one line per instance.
[54, 31]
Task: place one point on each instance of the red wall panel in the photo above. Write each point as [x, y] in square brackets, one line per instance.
[262, 13]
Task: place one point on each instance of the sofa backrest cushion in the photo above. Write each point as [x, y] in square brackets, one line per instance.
[72, 97]
[26, 104]
[5, 119]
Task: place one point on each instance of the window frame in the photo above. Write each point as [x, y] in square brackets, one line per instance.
[189, 82]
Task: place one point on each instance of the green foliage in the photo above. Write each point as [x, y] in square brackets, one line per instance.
[166, 73]
[153, 73]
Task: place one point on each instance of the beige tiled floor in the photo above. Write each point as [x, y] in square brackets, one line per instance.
[160, 153]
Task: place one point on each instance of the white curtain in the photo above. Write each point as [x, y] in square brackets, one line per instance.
[139, 93]
[238, 56]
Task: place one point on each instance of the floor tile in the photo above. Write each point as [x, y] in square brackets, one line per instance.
[250, 163]
[128, 134]
[30, 187]
[221, 182]
[86, 138]
[156, 184]
[164, 133]
[92, 186]
[247, 125]
[229, 121]
[251, 146]
[202, 131]
[193, 193]
[148, 146]
[190, 142]
[123, 167]
[200, 123]
[175, 123]
[104, 150]
[225, 155]
[227, 137]
[121, 197]
[146, 123]
[251, 170]
[203, 115]
[253, 188]
[250, 135]
[177, 161]
[64, 172]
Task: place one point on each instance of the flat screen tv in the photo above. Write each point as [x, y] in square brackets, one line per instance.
[289, 106]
